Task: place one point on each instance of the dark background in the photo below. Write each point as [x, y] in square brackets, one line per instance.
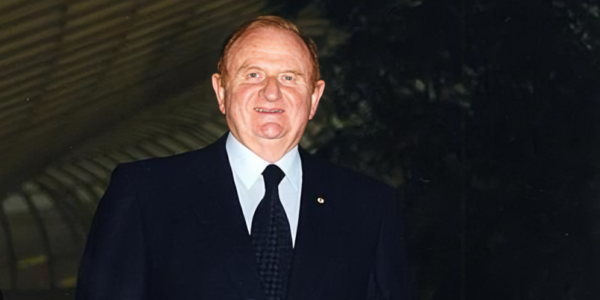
[484, 114]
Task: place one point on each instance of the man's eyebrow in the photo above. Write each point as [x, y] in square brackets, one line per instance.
[247, 67]
[297, 73]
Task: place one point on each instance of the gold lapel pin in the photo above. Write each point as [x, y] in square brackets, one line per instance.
[320, 200]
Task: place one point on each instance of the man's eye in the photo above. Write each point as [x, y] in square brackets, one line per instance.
[288, 78]
[253, 75]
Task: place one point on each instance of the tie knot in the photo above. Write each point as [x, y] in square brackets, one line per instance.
[273, 176]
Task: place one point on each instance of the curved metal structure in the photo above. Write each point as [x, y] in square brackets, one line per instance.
[86, 85]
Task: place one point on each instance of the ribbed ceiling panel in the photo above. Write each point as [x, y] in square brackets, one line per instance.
[71, 66]
[85, 85]
[58, 54]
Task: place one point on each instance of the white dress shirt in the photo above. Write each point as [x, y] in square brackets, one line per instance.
[247, 168]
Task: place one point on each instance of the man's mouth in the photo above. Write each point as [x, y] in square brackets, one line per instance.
[268, 110]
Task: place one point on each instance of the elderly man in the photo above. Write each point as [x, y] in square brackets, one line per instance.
[251, 216]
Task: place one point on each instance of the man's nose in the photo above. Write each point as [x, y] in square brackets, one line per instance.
[271, 91]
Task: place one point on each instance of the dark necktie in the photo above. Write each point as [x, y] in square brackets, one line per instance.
[271, 238]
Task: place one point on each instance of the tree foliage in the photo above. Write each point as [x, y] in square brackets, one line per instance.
[484, 111]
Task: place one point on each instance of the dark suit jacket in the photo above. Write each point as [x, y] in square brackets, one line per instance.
[173, 228]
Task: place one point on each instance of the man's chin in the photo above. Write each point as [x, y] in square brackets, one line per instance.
[270, 132]
[270, 136]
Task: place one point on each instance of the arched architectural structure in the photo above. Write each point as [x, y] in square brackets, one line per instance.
[86, 85]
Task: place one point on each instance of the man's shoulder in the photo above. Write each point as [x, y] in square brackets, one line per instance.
[183, 164]
[347, 178]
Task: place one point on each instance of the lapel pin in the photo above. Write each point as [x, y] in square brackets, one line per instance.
[320, 200]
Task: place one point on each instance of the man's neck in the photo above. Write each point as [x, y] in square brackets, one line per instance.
[269, 154]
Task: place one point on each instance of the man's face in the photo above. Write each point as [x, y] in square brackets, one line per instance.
[269, 96]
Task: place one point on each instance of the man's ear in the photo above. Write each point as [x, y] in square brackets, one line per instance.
[316, 97]
[219, 91]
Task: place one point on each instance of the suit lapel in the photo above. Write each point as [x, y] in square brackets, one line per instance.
[313, 247]
[234, 237]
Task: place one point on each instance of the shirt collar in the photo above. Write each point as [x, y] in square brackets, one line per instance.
[249, 167]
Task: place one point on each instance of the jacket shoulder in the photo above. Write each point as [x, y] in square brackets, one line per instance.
[168, 167]
[349, 179]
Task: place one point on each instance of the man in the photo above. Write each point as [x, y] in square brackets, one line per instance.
[251, 216]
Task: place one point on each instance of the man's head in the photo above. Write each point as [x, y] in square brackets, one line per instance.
[275, 23]
[268, 86]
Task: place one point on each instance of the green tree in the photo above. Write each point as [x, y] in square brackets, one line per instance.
[483, 111]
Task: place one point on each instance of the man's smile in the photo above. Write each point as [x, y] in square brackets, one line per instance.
[262, 110]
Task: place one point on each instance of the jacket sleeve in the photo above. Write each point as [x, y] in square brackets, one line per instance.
[114, 261]
[389, 278]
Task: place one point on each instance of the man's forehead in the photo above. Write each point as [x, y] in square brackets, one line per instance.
[269, 40]
[270, 33]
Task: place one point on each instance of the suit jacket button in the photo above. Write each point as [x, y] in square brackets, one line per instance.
[320, 200]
